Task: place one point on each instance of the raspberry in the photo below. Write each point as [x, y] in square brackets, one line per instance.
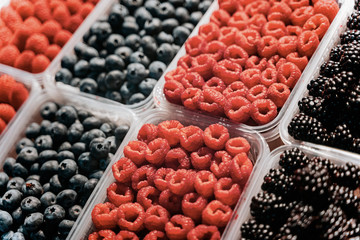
[52, 51]
[178, 227]
[294, 30]
[275, 29]
[23, 61]
[280, 11]
[62, 15]
[257, 92]
[267, 46]
[42, 10]
[86, 9]
[177, 158]
[192, 206]
[215, 49]
[220, 18]
[247, 40]
[256, 22]
[191, 97]
[8, 55]
[147, 196]
[37, 43]
[327, 7]
[228, 35]
[25, 9]
[193, 80]
[289, 74]
[201, 159]
[119, 193]
[104, 215]
[220, 164]
[191, 138]
[73, 5]
[180, 182]
[216, 214]
[214, 83]
[147, 132]
[227, 192]
[123, 170]
[300, 62]
[203, 65]
[251, 77]
[50, 28]
[204, 183]
[239, 20]
[170, 130]
[231, 6]
[39, 63]
[209, 32]
[7, 84]
[257, 7]
[143, 177]
[126, 235]
[294, 4]
[287, 45]
[318, 24]
[33, 24]
[307, 43]
[177, 74]
[278, 93]
[5, 35]
[160, 178]
[193, 45]
[11, 18]
[281, 62]
[215, 136]
[227, 70]
[268, 77]
[155, 235]
[237, 145]
[155, 218]
[256, 62]
[204, 232]
[18, 96]
[301, 15]
[238, 109]
[2, 125]
[7, 112]
[157, 150]
[170, 201]
[236, 54]
[184, 64]
[103, 234]
[212, 102]
[235, 89]
[131, 217]
[173, 90]
[263, 111]
[62, 37]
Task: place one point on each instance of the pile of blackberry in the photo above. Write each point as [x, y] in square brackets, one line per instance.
[330, 114]
[306, 198]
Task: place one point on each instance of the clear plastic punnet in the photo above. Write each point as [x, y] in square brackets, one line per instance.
[270, 131]
[328, 43]
[258, 152]
[31, 113]
[272, 161]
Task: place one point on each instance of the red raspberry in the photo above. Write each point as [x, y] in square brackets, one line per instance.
[180, 182]
[294, 30]
[5, 35]
[178, 227]
[170, 201]
[268, 77]
[204, 232]
[62, 37]
[155, 218]
[52, 51]
[50, 28]
[215, 49]
[257, 7]
[209, 32]
[256, 62]
[2, 125]
[104, 216]
[238, 109]
[220, 164]
[23, 61]
[251, 77]
[228, 35]
[160, 177]
[177, 158]
[227, 70]
[278, 93]
[173, 90]
[86, 9]
[273, 61]
[147, 196]
[300, 62]
[103, 234]
[193, 45]
[301, 15]
[227, 192]
[318, 24]
[204, 183]
[119, 193]
[8, 55]
[123, 170]
[191, 97]
[170, 130]
[55, 3]
[7, 112]
[257, 92]
[235, 89]
[294, 4]
[327, 7]
[192, 206]
[7, 84]
[157, 150]
[215, 84]
[240, 168]
[236, 54]
[263, 111]
[247, 40]
[289, 74]
[257, 22]
[239, 20]
[203, 65]
[11, 18]
[276, 29]
[280, 11]
[147, 132]
[126, 235]
[177, 74]
[237, 145]
[25, 9]
[39, 63]
[192, 80]
[131, 217]
[37, 43]
[217, 214]
[143, 177]
[155, 235]
[212, 102]
[201, 159]
[191, 138]
[231, 6]
[19, 95]
[215, 136]
[62, 15]
[220, 18]
[287, 45]
[267, 46]
[42, 10]
[281, 62]
[184, 63]
[33, 24]
[74, 6]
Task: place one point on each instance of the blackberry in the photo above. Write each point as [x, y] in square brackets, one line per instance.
[335, 54]
[350, 58]
[330, 167]
[354, 20]
[332, 222]
[316, 86]
[351, 230]
[348, 176]
[277, 182]
[336, 90]
[341, 137]
[356, 145]
[311, 106]
[347, 77]
[350, 36]
[357, 5]
[293, 159]
[251, 230]
[353, 99]
[347, 200]
[328, 69]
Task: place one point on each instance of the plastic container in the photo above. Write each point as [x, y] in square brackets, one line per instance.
[31, 113]
[272, 161]
[270, 131]
[259, 150]
[328, 43]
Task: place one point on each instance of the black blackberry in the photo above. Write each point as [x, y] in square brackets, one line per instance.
[349, 36]
[330, 68]
[356, 145]
[332, 222]
[347, 175]
[351, 230]
[276, 181]
[316, 86]
[347, 200]
[311, 106]
[347, 77]
[354, 21]
[353, 99]
[252, 230]
[335, 53]
[357, 5]
[293, 159]
[330, 167]
[350, 58]
[341, 137]
[336, 90]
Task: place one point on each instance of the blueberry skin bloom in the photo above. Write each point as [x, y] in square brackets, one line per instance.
[5, 221]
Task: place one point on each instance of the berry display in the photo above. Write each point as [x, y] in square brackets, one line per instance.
[189, 192]
[53, 171]
[248, 58]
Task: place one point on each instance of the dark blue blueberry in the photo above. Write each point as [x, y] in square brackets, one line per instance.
[87, 137]
[133, 41]
[132, 5]
[101, 82]
[165, 53]
[55, 184]
[142, 15]
[66, 198]
[128, 89]
[156, 69]
[48, 110]
[43, 142]
[6, 221]
[164, 37]
[121, 131]
[129, 27]
[58, 132]
[18, 236]
[96, 175]
[32, 131]
[34, 169]
[88, 188]
[180, 35]
[32, 188]
[136, 98]
[151, 6]
[63, 75]
[47, 199]
[111, 143]
[19, 171]
[39, 235]
[77, 182]
[91, 123]
[46, 187]
[191, 5]
[189, 26]
[81, 68]
[147, 86]
[97, 64]
[101, 30]
[113, 95]
[92, 75]
[33, 221]
[89, 53]
[139, 57]
[75, 132]
[204, 5]
[65, 155]
[114, 62]
[75, 82]
[94, 42]
[113, 42]
[78, 148]
[4, 179]
[33, 177]
[27, 156]
[103, 53]
[79, 48]
[54, 214]
[117, 14]
[18, 216]
[65, 227]
[15, 183]
[30, 205]
[182, 14]
[83, 114]
[153, 26]
[74, 212]
[177, 3]
[11, 199]
[104, 162]
[149, 46]
[87, 163]
[107, 128]
[169, 24]
[88, 85]
[124, 52]
[68, 61]
[22, 143]
[65, 146]
[47, 155]
[45, 127]
[136, 72]
[195, 17]
[114, 79]
[67, 169]
[48, 169]
[165, 10]
[8, 165]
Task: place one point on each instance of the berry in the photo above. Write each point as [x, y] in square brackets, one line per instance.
[216, 214]
[130, 216]
[178, 227]
[155, 218]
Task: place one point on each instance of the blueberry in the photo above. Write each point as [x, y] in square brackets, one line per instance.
[169, 24]
[69, 61]
[163, 37]
[75, 132]
[32, 188]
[147, 85]
[66, 115]
[8, 165]
[114, 62]
[136, 72]
[46, 187]
[117, 14]
[45, 127]
[165, 10]
[39, 235]
[91, 123]
[93, 42]
[48, 110]
[204, 5]
[101, 30]
[133, 41]
[58, 132]
[128, 89]
[5, 221]
[149, 46]
[33, 177]
[96, 175]
[32, 131]
[101, 82]
[142, 15]
[89, 53]
[136, 98]
[87, 163]
[65, 155]
[66, 198]
[34, 169]
[189, 26]
[33, 221]
[121, 131]
[65, 227]
[83, 114]
[63, 75]
[55, 184]
[22, 143]
[11, 199]
[79, 47]
[19, 171]
[4, 179]
[67, 169]
[124, 53]
[75, 82]
[151, 6]
[18, 216]
[113, 95]
[139, 57]
[165, 53]
[129, 27]
[47, 155]
[18, 236]
[30, 205]
[113, 42]
[107, 128]
[65, 146]
[47, 199]
[74, 212]
[180, 35]
[27, 156]
[153, 26]
[15, 183]
[77, 182]
[97, 64]
[156, 69]
[133, 4]
[7, 236]
[88, 85]
[111, 143]
[81, 68]
[90, 135]
[78, 148]
[114, 79]
[54, 214]
[191, 5]
[43, 142]
[195, 17]
[177, 3]
[182, 14]
[104, 162]
[48, 169]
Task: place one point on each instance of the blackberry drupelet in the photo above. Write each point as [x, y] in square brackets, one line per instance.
[350, 58]
[328, 69]
[341, 137]
[316, 86]
[347, 200]
[351, 230]
[348, 176]
[335, 54]
[356, 145]
[311, 106]
[252, 230]
[277, 182]
[332, 222]
[349, 36]
[354, 20]
[293, 159]
[353, 99]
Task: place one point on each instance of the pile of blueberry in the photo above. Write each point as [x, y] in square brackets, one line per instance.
[56, 168]
[125, 53]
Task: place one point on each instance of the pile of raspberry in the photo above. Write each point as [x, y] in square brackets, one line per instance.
[244, 63]
[32, 32]
[12, 96]
[174, 182]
